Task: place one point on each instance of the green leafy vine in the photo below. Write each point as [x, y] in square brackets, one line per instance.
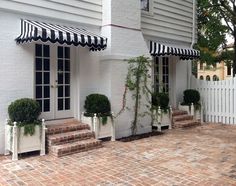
[137, 82]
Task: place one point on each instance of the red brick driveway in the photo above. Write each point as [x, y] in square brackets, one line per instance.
[204, 155]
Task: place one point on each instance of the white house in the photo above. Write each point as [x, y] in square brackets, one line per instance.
[58, 52]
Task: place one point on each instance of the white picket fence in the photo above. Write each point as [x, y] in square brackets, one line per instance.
[218, 99]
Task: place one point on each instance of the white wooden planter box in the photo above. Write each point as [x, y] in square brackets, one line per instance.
[16, 142]
[197, 114]
[101, 130]
[162, 119]
[184, 108]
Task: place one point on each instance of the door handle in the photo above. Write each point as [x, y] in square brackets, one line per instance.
[54, 86]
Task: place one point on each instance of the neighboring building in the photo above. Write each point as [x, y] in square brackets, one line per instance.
[214, 73]
[221, 71]
[54, 62]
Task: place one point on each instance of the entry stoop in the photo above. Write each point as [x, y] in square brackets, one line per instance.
[181, 119]
[66, 137]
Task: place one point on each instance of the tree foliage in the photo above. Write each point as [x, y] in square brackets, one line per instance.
[216, 18]
[137, 82]
[211, 32]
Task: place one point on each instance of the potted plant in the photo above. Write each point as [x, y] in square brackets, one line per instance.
[24, 132]
[162, 111]
[98, 115]
[191, 102]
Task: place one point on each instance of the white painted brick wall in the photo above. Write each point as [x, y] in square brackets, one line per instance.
[16, 72]
[123, 13]
[123, 43]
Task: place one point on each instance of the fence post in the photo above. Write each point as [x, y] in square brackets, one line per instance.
[95, 125]
[201, 110]
[6, 138]
[14, 143]
[113, 134]
[43, 135]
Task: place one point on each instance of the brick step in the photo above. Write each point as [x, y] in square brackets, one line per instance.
[66, 127]
[75, 147]
[179, 112]
[57, 139]
[182, 117]
[186, 123]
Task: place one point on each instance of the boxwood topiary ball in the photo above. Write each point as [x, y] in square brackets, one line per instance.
[97, 103]
[24, 110]
[191, 96]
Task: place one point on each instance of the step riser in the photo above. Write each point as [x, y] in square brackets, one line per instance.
[59, 130]
[188, 117]
[71, 139]
[75, 149]
[187, 125]
[179, 113]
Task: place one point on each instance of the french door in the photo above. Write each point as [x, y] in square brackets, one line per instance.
[53, 81]
[161, 74]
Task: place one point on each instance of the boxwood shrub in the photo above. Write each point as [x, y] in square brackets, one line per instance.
[24, 110]
[191, 96]
[160, 99]
[97, 104]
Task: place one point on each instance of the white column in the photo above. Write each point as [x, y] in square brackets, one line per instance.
[121, 22]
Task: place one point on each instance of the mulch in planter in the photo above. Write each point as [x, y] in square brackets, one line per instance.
[140, 136]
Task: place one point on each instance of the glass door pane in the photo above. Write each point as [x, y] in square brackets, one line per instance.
[63, 78]
[42, 76]
[165, 74]
[161, 74]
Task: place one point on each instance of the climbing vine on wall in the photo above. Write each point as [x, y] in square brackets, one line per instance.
[137, 83]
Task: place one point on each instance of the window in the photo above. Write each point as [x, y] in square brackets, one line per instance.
[161, 74]
[201, 78]
[208, 78]
[145, 5]
[201, 66]
[215, 78]
[228, 70]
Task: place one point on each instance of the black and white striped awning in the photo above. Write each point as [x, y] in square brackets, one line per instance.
[34, 31]
[157, 49]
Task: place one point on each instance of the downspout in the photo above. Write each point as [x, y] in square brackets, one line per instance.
[189, 71]
[194, 22]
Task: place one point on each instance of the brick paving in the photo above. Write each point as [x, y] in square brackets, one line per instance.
[204, 155]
